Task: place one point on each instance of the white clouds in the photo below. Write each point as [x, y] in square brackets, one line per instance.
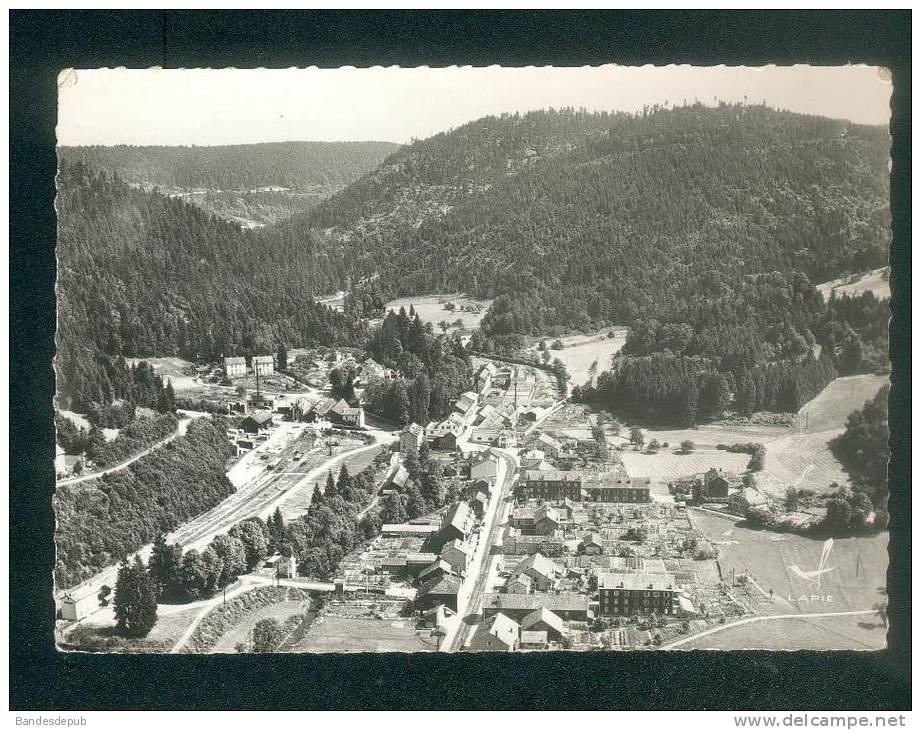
[129, 106]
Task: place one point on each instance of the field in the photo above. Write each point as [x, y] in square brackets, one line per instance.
[240, 632]
[865, 632]
[581, 352]
[797, 455]
[876, 281]
[97, 628]
[181, 373]
[856, 580]
[430, 308]
[667, 465]
[344, 634]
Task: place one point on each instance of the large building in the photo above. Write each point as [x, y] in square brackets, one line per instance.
[257, 421]
[263, 364]
[556, 484]
[234, 367]
[568, 606]
[411, 438]
[625, 594]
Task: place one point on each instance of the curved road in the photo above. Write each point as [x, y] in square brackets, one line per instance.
[756, 619]
[180, 431]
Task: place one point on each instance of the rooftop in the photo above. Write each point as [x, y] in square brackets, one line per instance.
[636, 581]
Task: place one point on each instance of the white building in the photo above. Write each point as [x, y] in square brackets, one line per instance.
[234, 367]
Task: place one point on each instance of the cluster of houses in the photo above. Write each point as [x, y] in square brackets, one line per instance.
[235, 367]
[713, 487]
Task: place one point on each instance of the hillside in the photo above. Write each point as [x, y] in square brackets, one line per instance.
[251, 184]
[703, 229]
[143, 274]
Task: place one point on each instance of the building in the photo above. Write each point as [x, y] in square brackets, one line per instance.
[713, 487]
[286, 567]
[497, 633]
[257, 421]
[519, 583]
[591, 544]
[532, 640]
[234, 367]
[466, 407]
[264, 364]
[319, 411]
[408, 529]
[457, 524]
[745, 499]
[514, 544]
[399, 478]
[436, 570]
[553, 485]
[546, 443]
[447, 433]
[405, 565]
[484, 466]
[484, 377]
[457, 555]
[344, 414]
[568, 606]
[625, 594]
[80, 602]
[546, 521]
[442, 591]
[542, 571]
[479, 504]
[544, 620]
[411, 438]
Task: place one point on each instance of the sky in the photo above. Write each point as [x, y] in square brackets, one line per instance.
[235, 106]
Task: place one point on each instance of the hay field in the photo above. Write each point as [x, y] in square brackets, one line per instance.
[181, 373]
[581, 352]
[666, 465]
[430, 308]
[876, 281]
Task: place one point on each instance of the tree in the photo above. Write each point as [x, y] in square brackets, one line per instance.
[791, 499]
[444, 326]
[255, 545]
[393, 512]
[687, 446]
[277, 530]
[545, 356]
[135, 602]
[282, 358]
[267, 635]
[330, 490]
[164, 566]
[654, 445]
[344, 483]
[233, 558]
[636, 437]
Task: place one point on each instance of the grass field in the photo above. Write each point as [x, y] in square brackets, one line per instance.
[174, 368]
[341, 634]
[666, 465]
[430, 308]
[856, 581]
[797, 455]
[831, 632]
[876, 281]
[581, 352]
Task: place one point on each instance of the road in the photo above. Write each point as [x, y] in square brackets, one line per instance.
[757, 619]
[258, 496]
[470, 601]
[180, 431]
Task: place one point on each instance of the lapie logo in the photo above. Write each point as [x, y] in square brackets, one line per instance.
[814, 577]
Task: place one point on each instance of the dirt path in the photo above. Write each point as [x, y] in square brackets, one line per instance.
[180, 431]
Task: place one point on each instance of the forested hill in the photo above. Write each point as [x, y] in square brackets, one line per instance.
[295, 165]
[143, 274]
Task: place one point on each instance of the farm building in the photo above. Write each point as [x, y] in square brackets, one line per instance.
[439, 591]
[346, 415]
[544, 620]
[80, 602]
[742, 501]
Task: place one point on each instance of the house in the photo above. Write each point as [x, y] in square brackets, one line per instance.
[457, 525]
[436, 617]
[399, 478]
[319, 411]
[411, 438]
[531, 640]
[478, 504]
[484, 377]
[439, 591]
[80, 602]
[519, 583]
[514, 544]
[530, 458]
[608, 486]
[546, 521]
[257, 421]
[484, 466]
[457, 555]
[544, 620]
[437, 569]
[343, 413]
[264, 364]
[63, 464]
[742, 501]
[625, 594]
[546, 443]
[406, 565]
[408, 529]
[234, 367]
[714, 487]
[591, 544]
[369, 370]
[568, 606]
[487, 416]
[522, 519]
[542, 571]
[497, 633]
[466, 407]
[447, 433]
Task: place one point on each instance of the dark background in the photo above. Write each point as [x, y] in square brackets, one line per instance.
[44, 42]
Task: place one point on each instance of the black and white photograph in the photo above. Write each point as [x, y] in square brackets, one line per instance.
[472, 359]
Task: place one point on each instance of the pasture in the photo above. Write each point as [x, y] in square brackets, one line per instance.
[668, 465]
[876, 281]
[582, 353]
[181, 373]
